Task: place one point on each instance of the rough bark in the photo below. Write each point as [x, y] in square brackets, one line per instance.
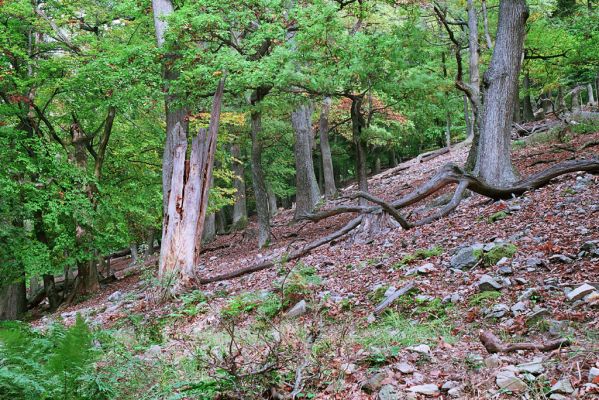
[494, 345]
[13, 300]
[474, 83]
[221, 222]
[493, 162]
[239, 207]
[358, 123]
[330, 188]
[150, 242]
[183, 221]
[209, 232]
[527, 109]
[51, 292]
[590, 95]
[307, 193]
[258, 182]
[272, 201]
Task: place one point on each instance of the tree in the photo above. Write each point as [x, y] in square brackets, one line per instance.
[308, 193]
[330, 188]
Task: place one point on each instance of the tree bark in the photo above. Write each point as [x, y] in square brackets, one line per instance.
[591, 96]
[272, 201]
[330, 188]
[209, 232]
[13, 300]
[259, 185]
[358, 123]
[239, 207]
[527, 109]
[474, 84]
[51, 292]
[307, 193]
[493, 163]
[150, 242]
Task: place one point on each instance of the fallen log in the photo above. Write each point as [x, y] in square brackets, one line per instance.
[292, 256]
[398, 293]
[494, 345]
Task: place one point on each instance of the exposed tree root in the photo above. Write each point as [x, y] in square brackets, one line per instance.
[398, 293]
[450, 174]
[494, 345]
[424, 157]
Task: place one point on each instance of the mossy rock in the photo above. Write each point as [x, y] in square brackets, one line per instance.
[492, 257]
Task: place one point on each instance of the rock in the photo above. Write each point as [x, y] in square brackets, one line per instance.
[580, 292]
[429, 389]
[450, 385]
[557, 328]
[506, 379]
[465, 258]
[420, 349]
[487, 283]
[456, 393]
[536, 315]
[390, 290]
[590, 248]
[493, 361]
[593, 374]
[348, 368]
[498, 311]
[426, 268]
[452, 298]
[534, 262]
[116, 296]
[374, 383]
[153, 351]
[405, 368]
[518, 308]
[527, 294]
[505, 270]
[560, 259]
[534, 367]
[388, 392]
[562, 386]
[557, 396]
[299, 309]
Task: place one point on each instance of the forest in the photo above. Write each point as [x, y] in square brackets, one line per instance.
[283, 199]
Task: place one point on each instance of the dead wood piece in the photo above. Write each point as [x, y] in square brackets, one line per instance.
[424, 157]
[387, 302]
[494, 345]
[292, 256]
[586, 145]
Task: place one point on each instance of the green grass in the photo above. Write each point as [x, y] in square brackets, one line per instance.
[419, 254]
[484, 298]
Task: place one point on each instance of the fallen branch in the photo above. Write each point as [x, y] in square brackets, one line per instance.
[424, 157]
[494, 345]
[292, 256]
[387, 302]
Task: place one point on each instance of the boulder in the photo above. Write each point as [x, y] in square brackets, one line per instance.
[506, 379]
[388, 392]
[562, 386]
[465, 258]
[580, 292]
[534, 367]
[374, 383]
[429, 389]
[298, 310]
[420, 349]
[487, 283]
[116, 296]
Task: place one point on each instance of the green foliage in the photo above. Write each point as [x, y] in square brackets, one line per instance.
[57, 364]
[498, 216]
[419, 254]
[484, 298]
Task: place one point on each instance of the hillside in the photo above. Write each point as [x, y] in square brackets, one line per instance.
[524, 270]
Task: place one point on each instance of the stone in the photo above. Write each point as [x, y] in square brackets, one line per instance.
[560, 259]
[557, 396]
[420, 349]
[534, 262]
[153, 351]
[348, 368]
[527, 294]
[580, 292]
[116, 296]
[374, 383]
[450, 385]
[536, 315]
[557, 328]
[456, 393]
[506, 379]
[390, 290]
[388, 392]
[505, 270]
[534, 367]
[428, 389]
[487, 283]
[405, 368]
[519, 308]
[465, 258]
[298, 310]
[498, 311]
[452, 298]
[562, 386]
[426, 268]
[593, 374]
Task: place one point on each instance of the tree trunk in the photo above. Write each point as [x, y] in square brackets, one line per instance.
[134, 256]
[239, 207]
[34, 285]
[150, 242]
[183, 222]
[527, 109]
[591, 96]
[576, 99]
[392, 158]
[474, 84]
[330, 188]
[357, 124]
[272, 201]
[209, 232]
[13, 300]
[307, 193]
[516, 116]
[468, 120]
[259, 185]
[51, 292]
[493, 163]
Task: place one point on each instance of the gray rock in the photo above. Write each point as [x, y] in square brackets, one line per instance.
[487, 283]
[527, 294]
[534, 367]
[557, 396]
[420, 349]
[519, 308]
[450, 385]
[426, 269]
[557, 328]
[298, 310]
[452, 298]
[153, 351]
[456, 392]
[429, 389]
[505, 270]
[593, 373]
[405, 368]
[536, 315]
[493, 361]
[388, 392]
[390, 290]
[374, 383]
[506, 379]
[116, 296]
[465, 258]
[562, 386]
[498, 311]
[580, 292]
[534, 262]
[560, 259]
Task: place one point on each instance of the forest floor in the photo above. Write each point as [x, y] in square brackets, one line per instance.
[506, 267]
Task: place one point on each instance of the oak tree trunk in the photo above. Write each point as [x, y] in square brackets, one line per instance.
[307, 193]
[13, 300]
[474, 84]
[259, 185]
[325, 150]
[239, 207]
[493, 163]
[358, 123]
[527, 109]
